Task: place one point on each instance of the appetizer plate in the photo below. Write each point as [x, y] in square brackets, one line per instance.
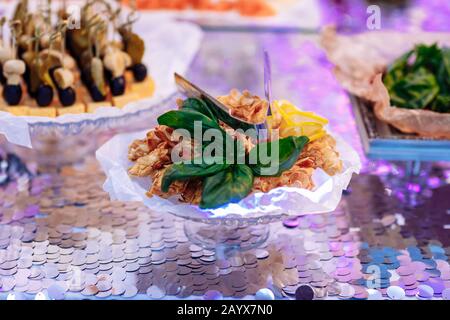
[170, 46]
[210, 227]
[382, 141]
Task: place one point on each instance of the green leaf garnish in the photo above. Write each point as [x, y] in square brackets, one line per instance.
[226, 118]
[186, 171]
[263, 156]
[420, 79]
[415, 90]
[185, 119]
[227, 186]
[199, 106]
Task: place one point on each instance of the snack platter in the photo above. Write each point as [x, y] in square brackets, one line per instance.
[312, 168]
[382, 141]
[168, 45]
[51, 68]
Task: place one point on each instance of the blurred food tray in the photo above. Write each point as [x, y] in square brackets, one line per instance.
[382, 141]
[291, 16]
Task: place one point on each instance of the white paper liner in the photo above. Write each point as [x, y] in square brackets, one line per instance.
[325, 197]
[170, 47]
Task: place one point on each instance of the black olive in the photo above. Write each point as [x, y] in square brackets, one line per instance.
[44, 95]
[12, 93]
[96, 94]
[117, 86]
[2, 77]
[85, 76]
[139, 72]
[67, 96]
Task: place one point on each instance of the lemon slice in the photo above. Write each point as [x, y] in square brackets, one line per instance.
[296, 122]
[291, 131]
[309, 128]
[317, 135]
[295, 116]
[312, 130]
[302, 116]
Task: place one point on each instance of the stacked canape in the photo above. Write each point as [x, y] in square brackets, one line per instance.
[51, 68]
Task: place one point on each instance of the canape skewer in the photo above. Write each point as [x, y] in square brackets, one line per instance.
[134, 46]
[13, 69]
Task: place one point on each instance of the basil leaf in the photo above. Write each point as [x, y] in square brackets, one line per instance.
[423, 82]
[397, 69]
[186, 171]
[226, 118]
[428, 57]
[185, 119]
[443, 74]
[289, 150]
[228, 186]
[415, 91]
[441, 103]
[199, 106]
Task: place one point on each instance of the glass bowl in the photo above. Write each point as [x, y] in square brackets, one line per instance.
[242, 225]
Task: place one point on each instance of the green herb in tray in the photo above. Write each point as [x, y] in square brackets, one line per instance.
[420, 79]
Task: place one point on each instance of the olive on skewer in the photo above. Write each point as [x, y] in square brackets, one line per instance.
[97, 86]
[12, 90]
[37, 78]
[13, 69]
[42, 78]
[48, 64]
[93, 77]
[62, 77]
[84, 44]
[64, 80]
[94, 72]
[116, 62]
[31, 59]
[135, 47]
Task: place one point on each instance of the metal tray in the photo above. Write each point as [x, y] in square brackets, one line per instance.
[382, 141]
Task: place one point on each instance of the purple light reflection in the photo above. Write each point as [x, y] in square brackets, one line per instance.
[351, 15]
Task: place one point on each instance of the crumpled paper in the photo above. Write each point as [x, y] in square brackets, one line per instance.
[360, 61]
[170, 47]
[325, 197]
